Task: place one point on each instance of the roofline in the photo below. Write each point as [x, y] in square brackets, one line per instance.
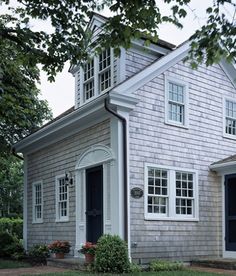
[222, 165]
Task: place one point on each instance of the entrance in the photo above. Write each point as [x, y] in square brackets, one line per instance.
[230, 212]
[94, 203]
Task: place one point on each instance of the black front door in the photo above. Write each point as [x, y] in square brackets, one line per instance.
[230, 212]
[94, 203]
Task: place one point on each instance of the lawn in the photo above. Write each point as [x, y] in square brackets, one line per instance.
[12, 264]
[164, 273]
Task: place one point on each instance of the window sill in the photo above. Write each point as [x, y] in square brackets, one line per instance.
[160, 218]
[176, 125]
[229, 136]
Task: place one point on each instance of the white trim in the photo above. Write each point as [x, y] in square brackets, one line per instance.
[25, 203]
[153, 70]
[153, 48]
[227, 135]
[222, 167]
[177, 81]
[171, 215]
[121, 66]
[34, 219]
[93, 156]
[58, 218]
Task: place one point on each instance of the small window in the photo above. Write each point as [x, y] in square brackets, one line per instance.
[105, 70]
[37, 199]
[170, 194]
[89, 80]
[176, 103]
[62, 200]
[230, 117]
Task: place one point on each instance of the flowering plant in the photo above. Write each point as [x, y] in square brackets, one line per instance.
[59, 247]
[88, 248]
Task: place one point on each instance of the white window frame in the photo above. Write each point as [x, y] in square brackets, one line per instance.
[34, 219]
[97, 91]
[227, 135]
[176, 81]
[171, 192]
[58, 217]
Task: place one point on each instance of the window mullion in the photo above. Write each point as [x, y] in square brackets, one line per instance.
[96, 78]
[172, 193]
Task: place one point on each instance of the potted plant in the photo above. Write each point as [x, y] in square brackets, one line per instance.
[88, 249]
[59, 248]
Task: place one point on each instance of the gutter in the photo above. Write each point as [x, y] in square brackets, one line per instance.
[125, 179]
[13, 151]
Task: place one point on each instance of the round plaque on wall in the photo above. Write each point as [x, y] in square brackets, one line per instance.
[136, 192]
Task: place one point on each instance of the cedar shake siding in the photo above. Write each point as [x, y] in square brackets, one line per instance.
[195, 148]
[45, 165]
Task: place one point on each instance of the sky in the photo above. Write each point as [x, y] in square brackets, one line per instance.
[60, 94]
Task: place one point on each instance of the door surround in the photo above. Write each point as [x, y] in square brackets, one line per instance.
[97, 155]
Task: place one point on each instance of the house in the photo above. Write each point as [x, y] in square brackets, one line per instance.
[147, 152]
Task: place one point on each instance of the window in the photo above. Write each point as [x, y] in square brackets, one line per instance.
[37, 199]
[170, 193]
[62, 202]
[97, 75]
[176, 102]
[230, 117]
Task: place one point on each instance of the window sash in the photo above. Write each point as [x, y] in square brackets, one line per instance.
[180, 200]
[230, 117]
[62, 198]
[37, 202]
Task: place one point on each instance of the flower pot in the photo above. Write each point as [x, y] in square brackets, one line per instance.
[89, 258]
[59, 255]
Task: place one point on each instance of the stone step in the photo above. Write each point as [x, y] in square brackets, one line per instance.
[69, 263]
[229, 264]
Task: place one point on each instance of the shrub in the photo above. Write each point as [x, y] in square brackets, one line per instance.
[12, 226]
[10, 245]
[135, 268]
[38, 254]
[161, 265]
[111, 255]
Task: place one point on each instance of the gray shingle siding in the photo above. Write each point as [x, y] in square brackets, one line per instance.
[45, 165]
[153, 141]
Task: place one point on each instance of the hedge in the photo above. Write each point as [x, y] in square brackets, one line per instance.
[12, 226]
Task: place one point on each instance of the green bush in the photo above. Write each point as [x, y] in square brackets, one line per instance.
[111, 255]
[12, 226]
[135, 268]
[10, 245]
[161, 265]
[38, 254]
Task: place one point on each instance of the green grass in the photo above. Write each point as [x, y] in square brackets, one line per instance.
[12, 264]
[163, 273]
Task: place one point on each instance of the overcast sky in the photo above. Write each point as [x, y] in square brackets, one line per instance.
[60, 94]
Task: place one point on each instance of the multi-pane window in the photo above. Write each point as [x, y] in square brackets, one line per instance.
[176, 102]
[62, 199]
[89, 80]
[97, 75]
[157, 191]
[184, 193]
[230, 117]
[37, 202]
[170, 194]
[105, 70]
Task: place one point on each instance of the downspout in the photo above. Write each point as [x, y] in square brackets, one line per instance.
[124, 136]
[13, 150]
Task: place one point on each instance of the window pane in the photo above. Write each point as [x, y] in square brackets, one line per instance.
[230, 120]
[62, 198]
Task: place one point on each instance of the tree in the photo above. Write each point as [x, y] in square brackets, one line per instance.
[70, 39]
[11, 186]
[21, 112]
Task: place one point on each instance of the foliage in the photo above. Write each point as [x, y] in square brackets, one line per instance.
[10, 246]
[38, 254]
[4, 264]
[111, 255]
[162, 265]
[135, 268]
[88, 248]
[69, 38]
[12, 226]
[59, 247]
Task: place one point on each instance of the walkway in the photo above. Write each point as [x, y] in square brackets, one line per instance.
[30, 270]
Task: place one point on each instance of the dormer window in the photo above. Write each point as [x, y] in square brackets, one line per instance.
[96, 76]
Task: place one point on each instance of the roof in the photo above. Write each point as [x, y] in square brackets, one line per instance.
[231, 158]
